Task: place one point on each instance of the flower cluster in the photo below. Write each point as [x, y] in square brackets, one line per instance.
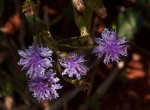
[110, 46]
[74, 65]
[37, 61]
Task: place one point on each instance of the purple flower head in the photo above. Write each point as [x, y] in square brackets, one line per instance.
[111, 46]
[74, 65]
[44, 88]
[36, 60]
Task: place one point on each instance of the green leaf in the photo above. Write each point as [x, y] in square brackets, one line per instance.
[6, 89]
[93, 102]
[128, 23]
[37, 26]
[1, 6]
[88, 17]
[80, 23]
[95, 5]
[79, 20]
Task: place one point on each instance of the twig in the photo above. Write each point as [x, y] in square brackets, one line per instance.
[67, 97]
[141, 49]
[101, 90]
[71, 38]
[93, 75]
[75, 47]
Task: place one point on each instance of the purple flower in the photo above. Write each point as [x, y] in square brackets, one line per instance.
[36, 60]
[74, 65]
[44, 88]
[111, 46]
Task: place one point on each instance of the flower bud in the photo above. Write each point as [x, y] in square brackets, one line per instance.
[29, 7]
[102, 11]
[79, 5]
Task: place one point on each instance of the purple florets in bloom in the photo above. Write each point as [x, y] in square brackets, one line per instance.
[111, 46]
[74, 65]
[44, 88]
[36, 60]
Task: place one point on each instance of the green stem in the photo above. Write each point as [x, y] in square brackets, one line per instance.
[76, 47]
[71, 39]
[80, 21]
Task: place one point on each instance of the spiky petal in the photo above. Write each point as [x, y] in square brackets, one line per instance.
[73, 65]
[111, 46]
[35, 60]
[44, 88]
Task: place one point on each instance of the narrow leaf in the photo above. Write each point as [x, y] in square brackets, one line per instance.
[1, 6]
